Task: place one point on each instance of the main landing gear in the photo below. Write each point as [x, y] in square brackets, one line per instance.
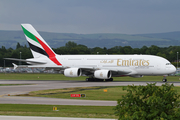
[164, 79]
[97, 80]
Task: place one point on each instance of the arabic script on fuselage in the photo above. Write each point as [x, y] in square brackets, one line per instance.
[106, 61]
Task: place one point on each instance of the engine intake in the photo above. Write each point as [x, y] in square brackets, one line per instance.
[72, 72]
[102, 74]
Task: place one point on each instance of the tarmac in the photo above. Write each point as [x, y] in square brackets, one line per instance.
[45, 118]
[7, 92]
[35, 85]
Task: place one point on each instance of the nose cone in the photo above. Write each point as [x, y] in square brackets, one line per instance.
[173, 69]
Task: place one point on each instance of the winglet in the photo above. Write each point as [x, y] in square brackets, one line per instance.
[15, 66]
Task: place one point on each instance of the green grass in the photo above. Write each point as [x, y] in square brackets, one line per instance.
[17, 76]
[92, 93]
[64, 111]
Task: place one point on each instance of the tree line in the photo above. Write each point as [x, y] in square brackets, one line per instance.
[23, 52]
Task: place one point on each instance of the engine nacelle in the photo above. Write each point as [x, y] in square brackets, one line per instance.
[136, 76]
[72, 72]
[102, 74]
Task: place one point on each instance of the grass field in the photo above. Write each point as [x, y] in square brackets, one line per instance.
[64, 111]
[16, 76]
[113, 93]
[92, 93]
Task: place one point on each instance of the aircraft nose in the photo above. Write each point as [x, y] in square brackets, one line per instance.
[173, 69]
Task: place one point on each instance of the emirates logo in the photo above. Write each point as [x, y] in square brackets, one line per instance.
[101, 74]
[71, 73]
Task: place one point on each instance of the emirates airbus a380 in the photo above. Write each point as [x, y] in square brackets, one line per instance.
[96, 67]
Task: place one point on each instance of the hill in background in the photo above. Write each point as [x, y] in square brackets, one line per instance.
[55, 40]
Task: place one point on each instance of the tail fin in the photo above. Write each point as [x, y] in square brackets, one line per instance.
[39, 47]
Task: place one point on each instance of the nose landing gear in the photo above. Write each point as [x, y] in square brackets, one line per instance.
[164, 79]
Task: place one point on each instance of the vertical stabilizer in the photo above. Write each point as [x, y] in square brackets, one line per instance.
[39, 47]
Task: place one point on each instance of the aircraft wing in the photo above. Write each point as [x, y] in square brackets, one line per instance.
[115, 71]
[23, 60]
[86, 70]
[121, 70]
[90, 70]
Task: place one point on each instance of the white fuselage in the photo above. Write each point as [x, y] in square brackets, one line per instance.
[135, 64]
[138, 64]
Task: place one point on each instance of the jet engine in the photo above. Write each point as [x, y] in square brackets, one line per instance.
[136, 76]
[72, 72]
[102, 74]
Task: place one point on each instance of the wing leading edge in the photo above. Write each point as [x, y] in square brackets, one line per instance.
[28, 61]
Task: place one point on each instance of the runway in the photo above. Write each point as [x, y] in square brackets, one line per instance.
[53, 101]
[46, 118]
[34, 85]
[43, 85]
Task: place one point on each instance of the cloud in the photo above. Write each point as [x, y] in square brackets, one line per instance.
[92, 16]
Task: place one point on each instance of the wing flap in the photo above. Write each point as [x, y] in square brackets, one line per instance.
[122, 71]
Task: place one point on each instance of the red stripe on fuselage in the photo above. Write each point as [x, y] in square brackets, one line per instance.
[50, 53]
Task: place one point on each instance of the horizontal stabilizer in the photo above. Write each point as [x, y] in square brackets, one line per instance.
[15, 66]
[30, 61]
[19, 66]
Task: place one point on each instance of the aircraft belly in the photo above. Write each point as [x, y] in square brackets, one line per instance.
[144, 70]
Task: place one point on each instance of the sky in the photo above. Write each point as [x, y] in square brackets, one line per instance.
[92, 16]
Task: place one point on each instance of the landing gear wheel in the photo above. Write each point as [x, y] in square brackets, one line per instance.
[90, 79]
[164, 80]
[94, 80]
[111, 79]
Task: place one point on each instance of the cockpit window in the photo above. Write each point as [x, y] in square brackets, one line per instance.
[168, 63]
